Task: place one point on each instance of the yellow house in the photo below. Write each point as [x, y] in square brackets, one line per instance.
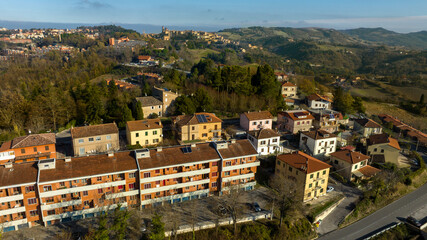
[199, 126]
[147, 132]
[309, 174]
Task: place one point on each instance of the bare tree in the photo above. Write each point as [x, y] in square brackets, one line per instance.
[285, 195]
[232, 201]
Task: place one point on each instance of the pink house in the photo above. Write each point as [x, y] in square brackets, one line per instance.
[251, 121]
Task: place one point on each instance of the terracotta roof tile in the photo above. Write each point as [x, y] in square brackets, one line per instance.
[33, 140]
[94, 130]
[350, 156]
[296, 115]
[383, 138]
[367, 123]
[5, 146]
[369, 171]
[288, 84]
[319, 134]
[303, 162]
[192, 119]
[264, 133]
[21, 173]
[317, 97]
[144, 124]
[149, 101]
[252, 116]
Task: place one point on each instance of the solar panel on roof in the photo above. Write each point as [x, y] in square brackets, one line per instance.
[204, 118]
[199, 118]
[186, 149]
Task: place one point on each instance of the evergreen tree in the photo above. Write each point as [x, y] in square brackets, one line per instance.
[184, 105]
[202, 101]
[137, 110]
[421, 99]
[158, 228]
[102, 233]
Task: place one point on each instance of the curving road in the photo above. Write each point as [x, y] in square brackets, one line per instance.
[398, 210]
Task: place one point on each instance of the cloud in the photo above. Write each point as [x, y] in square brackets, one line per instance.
[92, 4]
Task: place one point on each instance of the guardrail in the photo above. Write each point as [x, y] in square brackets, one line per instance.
[383, 230]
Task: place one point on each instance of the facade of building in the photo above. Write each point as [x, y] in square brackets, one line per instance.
[316, 101]
[199, 126]
[251, 121]
[289, 90]
[382, 148]
[295, 121]
[148, 132]
[150, 106]
[61, 190]
[367, 127]
[167, 98]
[95, 139]
[327, 120]
[28, 148]
[352, 165]
[318, 143]
[309, 175]
[265, 141]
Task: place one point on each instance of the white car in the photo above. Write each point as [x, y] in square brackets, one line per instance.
[329, 189]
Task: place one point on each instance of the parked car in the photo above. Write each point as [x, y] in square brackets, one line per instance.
[256, 207]
[413, 221]
[329, 189]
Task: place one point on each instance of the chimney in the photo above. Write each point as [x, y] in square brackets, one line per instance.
[110, 154]
[8, 165]
[193, 145]
[159, 149]
[68, 159]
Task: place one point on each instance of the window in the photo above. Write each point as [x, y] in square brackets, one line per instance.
[157, 171]
[30, 189]
[375, 149]
[382, 150]
[311, 176]
[310, 185]
[50, 200]
[309, 194]
[266, 122]
[336, 161]
[324, 172]
[47, 188]
[155, 140]
[278, 163]
[32, 201]
[147, 197]
[147, 174]
[108, 137]
[331, 142]
[155, 132]
[34, 213]
[215, 164]
[227, 173]
[85, 193]
[100, 190]
[228, 163]
[131, 175]
[214, 184]
[146, 142]
[262, 142]
[99, 179]
[152, 107]
[46, 148]
[192, 128]
[321, 190]
[147, 185]
[274, 140]
[86, 203]
[22, 150]
[131, 186]
[298, 123]
[254, 123]
[90, 139]
[204, 135]
[84, 181]
[98, 138]
[290, 169]
[204, 127]
[35, 149]
[355, 167]
[81, 140]
[51, 212]
[214, 174]
[82, 150]
[64, 196]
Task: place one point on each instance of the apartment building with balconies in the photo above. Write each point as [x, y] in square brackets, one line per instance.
[95, 139]
[307, 175]
[148, 132]
[28, 148]
[60, 190]
[199, 126]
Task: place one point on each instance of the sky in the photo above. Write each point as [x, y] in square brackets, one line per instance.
[396, 15]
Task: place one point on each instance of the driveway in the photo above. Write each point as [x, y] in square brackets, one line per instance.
[330, 223]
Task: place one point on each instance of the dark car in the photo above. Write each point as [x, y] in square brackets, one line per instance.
[413, 221]
[256, 207]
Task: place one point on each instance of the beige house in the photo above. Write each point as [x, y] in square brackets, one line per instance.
[309, 175]
[147, 132]
[95, 139]
[199, 126]
[352, 165]
[367, 127]
[167, 98]
[295, 121]
[289, 90]
[150, 105]
[382, 148]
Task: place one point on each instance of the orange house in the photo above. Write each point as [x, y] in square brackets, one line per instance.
[28, 148]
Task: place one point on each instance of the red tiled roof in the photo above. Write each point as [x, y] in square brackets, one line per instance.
[317, 97]
[33, 140]
[21, 173]
[264, 133]
[94, 130]
[383, 138]
[144, 124]
[350, 156]
[369, 171]
[144, 57]
[252, 116]
[303, 162]
[182, 120]
[288, 84]
[319, 134]
[297, 115]
[367, 123]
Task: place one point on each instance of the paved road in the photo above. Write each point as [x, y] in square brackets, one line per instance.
[330, 223]
[398, 210]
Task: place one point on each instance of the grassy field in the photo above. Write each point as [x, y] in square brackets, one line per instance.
[408, 118]
[385, 91]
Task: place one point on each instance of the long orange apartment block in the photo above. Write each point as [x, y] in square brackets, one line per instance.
[59, 190]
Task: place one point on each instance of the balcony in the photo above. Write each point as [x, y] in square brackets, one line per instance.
[7, 155]
[240, 166]
[82, 188]
[175, 175]
[174, 186]
[11, 198]
[61, 204]
[243, 176]
[174, 196]
[12, 211]
[14, 223]
[120, 194]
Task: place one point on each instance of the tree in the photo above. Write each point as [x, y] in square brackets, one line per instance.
[120, 223]
[184, 105]
[102, 233]
[232, 201]
[158, 228]
[343, 101]
[202, 101]
[421, 102]
[137, 110]
[286, 196]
